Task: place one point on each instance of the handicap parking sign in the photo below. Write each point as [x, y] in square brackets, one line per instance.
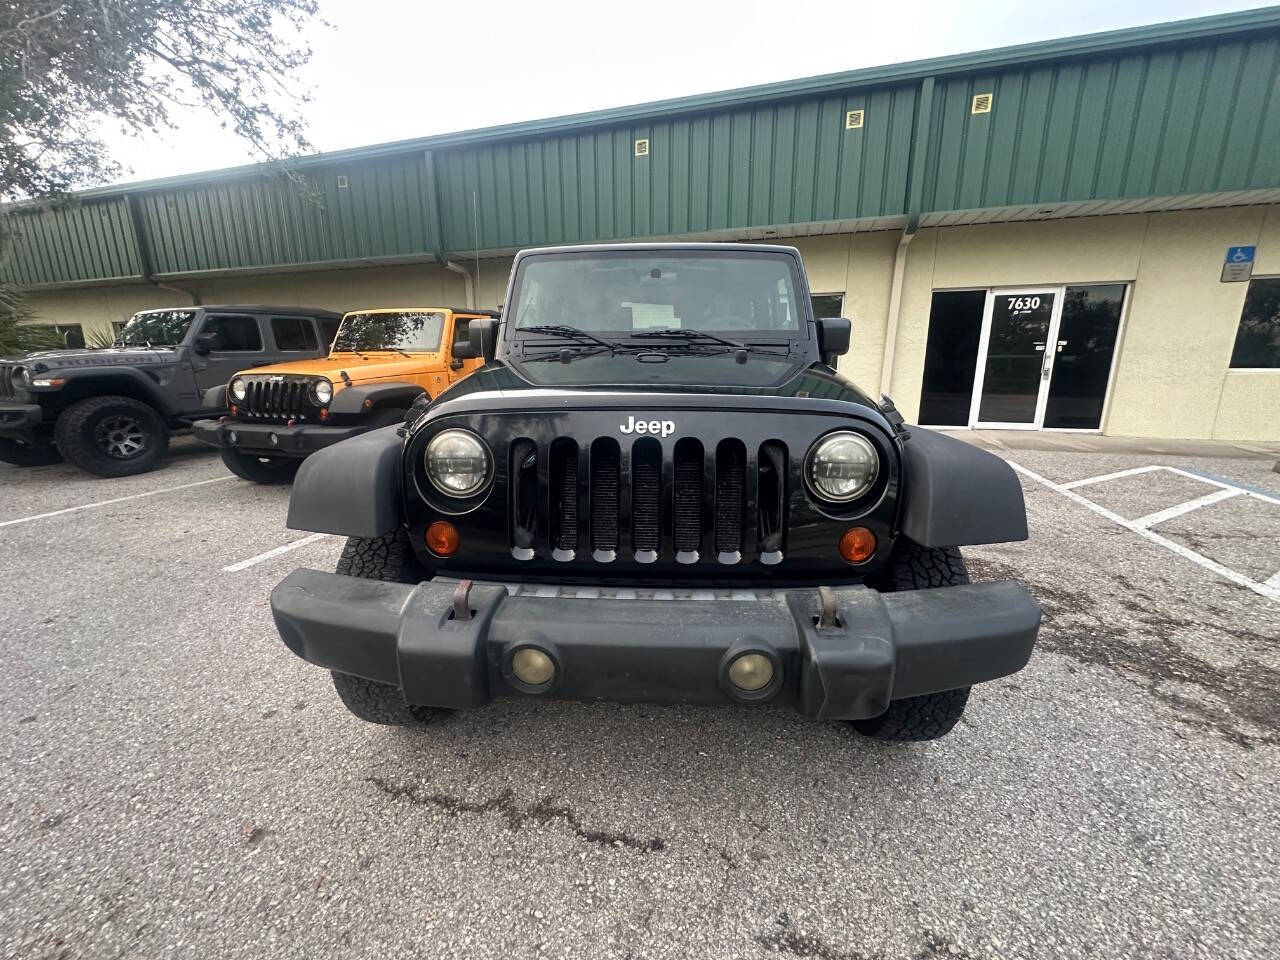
[1238, 263]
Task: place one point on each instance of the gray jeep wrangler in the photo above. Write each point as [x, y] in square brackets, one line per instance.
[110, 412]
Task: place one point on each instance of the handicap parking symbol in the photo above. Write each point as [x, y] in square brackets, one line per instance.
[1240, 254]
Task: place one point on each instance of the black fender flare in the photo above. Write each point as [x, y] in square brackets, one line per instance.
[956, 494]
[352, 399]
[215, 398]
[351, 488]
[77, 379]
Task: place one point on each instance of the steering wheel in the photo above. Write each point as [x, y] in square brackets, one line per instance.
[725, 322]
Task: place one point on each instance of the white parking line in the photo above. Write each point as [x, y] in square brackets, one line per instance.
[246, 564]
[1273, 580]
[107, 503]
[1178, 509]
[1269, 590]
[1106, 476]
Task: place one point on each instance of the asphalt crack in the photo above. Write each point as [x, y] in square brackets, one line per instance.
[543, 811]
[1077, 627]
[786, 938]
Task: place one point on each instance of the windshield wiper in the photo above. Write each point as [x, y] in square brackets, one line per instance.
[699, 341]
[687, 335]
[573, 333]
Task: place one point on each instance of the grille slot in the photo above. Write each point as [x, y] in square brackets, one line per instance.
[687, 532]
[604, 495]
[287, 399]
[731, 495]
[646, 495]
[605, 499]
[7, 389]
[564, 495]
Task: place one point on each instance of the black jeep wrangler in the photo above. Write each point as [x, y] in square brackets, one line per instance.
[110, 412]
[659, 489]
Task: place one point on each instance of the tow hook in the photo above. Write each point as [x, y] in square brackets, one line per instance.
[462, 601]
[827, 618]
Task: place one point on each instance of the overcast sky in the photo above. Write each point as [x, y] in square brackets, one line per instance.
[394, 69]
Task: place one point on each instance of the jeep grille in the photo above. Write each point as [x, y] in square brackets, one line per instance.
[269, 399]
[700, 507]
[7, 389]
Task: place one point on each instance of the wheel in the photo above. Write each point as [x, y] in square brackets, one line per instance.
[931, 715]
[381, 558]
[26, 455]
[111, 436]
[250, 466]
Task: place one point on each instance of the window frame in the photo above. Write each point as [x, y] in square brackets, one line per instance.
[308, 323]
[1233, 369]
[256, 318]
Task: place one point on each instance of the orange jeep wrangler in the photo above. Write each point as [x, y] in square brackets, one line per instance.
[380, 362]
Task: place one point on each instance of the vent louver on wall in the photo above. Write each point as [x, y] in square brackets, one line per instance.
[642, 148]
[853, 119]
[982, 102]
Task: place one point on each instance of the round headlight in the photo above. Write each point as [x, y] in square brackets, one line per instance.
[458, 463]
[322, 391]
[21, 377]
[239, 387]
[842, 466]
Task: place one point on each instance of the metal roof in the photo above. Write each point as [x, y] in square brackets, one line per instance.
[1185, 109]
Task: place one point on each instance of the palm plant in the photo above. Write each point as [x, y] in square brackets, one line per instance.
[18, 337]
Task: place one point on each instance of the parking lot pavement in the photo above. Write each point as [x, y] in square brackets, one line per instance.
[175, 783]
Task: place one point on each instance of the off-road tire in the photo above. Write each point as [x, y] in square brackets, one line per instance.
[75, 435]
[932, 715]
[256, 469]
[382, 703]
[26, 455]
[381, 558]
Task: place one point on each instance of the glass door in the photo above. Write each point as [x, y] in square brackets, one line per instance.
[1014, 362]
[1085, 347]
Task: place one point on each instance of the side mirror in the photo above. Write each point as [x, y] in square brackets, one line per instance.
[484, 337]
[462, 350]
[834, 334]
[206, 343]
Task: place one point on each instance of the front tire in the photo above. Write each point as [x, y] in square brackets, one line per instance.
[112, 436]
[26, 455]
[387, 558]
[931, 715]
[257, 469]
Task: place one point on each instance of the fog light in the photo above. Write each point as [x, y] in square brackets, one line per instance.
[442, 538]
[857, 545]
[530, 665]
[751, 672]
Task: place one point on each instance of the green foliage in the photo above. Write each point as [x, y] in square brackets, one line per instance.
[99, 339]
[68, 65]
[16, 336]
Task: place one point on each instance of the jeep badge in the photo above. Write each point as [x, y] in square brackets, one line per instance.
[656, 427]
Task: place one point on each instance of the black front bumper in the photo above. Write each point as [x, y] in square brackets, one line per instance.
[20, 421]
[668, 647]
[276, 439]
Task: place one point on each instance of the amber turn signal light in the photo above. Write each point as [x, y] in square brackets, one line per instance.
[442, 538]
[857, 545]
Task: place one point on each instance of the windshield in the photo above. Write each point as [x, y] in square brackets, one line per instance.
[157, 328]
[628, 293]
[406, 330]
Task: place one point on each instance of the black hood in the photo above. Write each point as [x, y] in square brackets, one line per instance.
[815, 381]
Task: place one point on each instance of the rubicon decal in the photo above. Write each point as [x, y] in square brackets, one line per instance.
[662, 428]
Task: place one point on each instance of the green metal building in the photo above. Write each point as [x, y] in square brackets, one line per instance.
[1033, 237]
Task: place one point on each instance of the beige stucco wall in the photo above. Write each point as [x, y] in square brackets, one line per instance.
[1171, 377]
[339, 290]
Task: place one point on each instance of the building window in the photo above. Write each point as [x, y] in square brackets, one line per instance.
[1258, 336]
[72, 334]
[826, 305]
